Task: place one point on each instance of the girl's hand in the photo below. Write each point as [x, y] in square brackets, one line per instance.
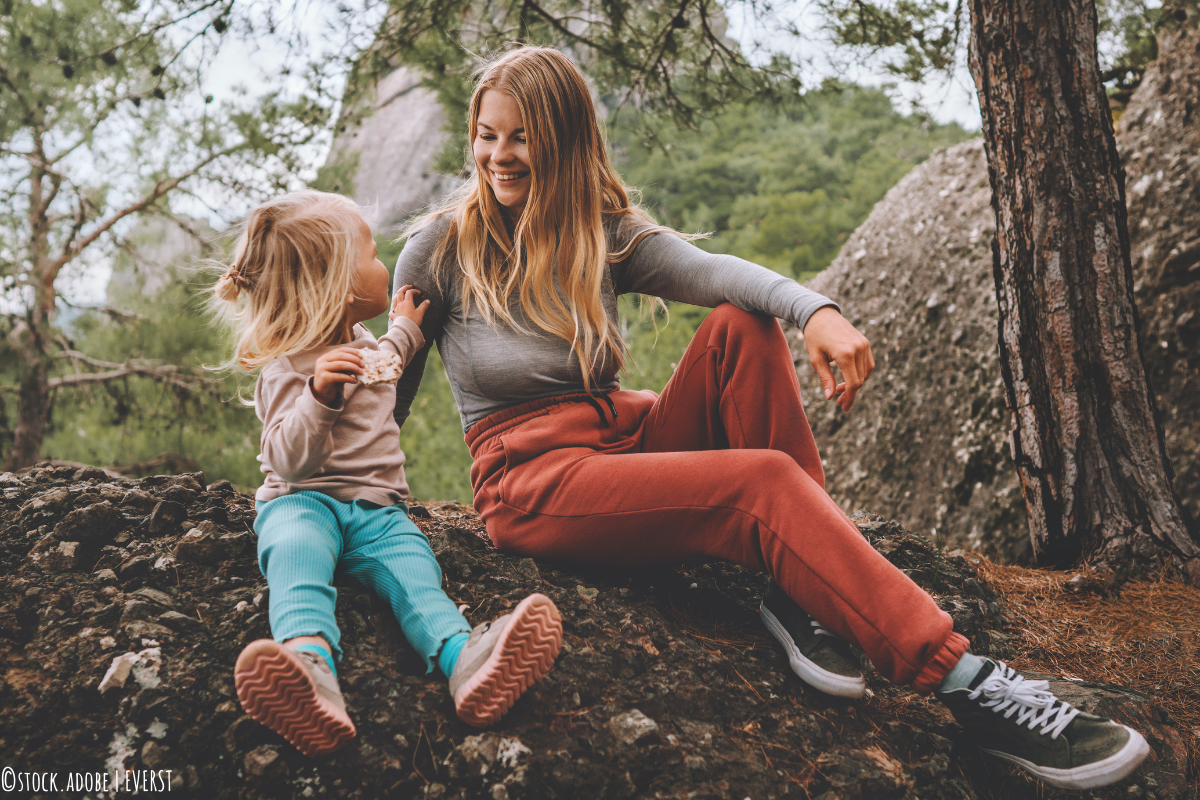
[829, 338]
[338, 366]
[404, 304]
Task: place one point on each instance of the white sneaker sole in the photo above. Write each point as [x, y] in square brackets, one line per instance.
[1090, 776]
[820, 679]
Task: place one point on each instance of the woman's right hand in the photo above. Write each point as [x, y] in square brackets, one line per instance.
[338, 366]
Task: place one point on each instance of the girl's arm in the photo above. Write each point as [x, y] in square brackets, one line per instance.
[415, 269]
[297, 434]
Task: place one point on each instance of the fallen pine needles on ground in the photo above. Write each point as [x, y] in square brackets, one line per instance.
[1146, 637]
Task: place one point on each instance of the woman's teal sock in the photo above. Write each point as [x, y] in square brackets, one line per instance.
[321, 651]
[449, 655]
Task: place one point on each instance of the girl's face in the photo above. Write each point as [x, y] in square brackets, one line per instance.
[500, 150]
[370, 281]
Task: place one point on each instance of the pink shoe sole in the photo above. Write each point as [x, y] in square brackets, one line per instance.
[525, 652]
[276, 690]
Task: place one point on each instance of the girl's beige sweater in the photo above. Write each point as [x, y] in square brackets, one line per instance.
[349, 452]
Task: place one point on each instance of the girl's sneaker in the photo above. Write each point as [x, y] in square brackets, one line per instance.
[1022, 721]
[294, 694]
[502, 658]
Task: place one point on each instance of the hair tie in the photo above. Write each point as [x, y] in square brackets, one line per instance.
[234, 275]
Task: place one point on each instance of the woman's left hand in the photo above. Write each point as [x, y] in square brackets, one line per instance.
[831, 339]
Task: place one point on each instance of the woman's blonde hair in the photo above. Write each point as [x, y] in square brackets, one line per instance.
[292, 270]
[557, 256]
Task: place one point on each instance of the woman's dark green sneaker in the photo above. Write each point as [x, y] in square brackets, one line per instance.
[821, 659]
[1021, 721]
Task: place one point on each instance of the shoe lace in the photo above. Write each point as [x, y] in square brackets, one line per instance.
[1032, 701]
[818, 630]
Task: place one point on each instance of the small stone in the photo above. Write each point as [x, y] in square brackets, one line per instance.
[401, 741]
[155, 596]
[499, 792]
[107, 642]
[155, 755]
[420, 512]
[696, 763]
[136, 567]
[142, 629]
[221, 486]
[632, 726]
[46, 500]
[105, 575]
[177, 621]
[118, 671]
[264, 761]
[89, 474]
[587, 592]
[139, 499]
[165, 517]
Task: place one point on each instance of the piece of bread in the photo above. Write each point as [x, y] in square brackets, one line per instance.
[379, 366]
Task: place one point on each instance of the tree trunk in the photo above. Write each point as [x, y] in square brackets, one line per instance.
[1085, 433]
[33, 409]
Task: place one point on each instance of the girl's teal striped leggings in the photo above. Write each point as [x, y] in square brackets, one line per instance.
[303, 538]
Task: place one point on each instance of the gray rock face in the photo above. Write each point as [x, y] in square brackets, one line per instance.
[927, 443]
[391, 152]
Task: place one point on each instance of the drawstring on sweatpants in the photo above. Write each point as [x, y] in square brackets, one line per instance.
[591, 400]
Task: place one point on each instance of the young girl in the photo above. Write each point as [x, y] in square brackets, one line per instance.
[303, 278]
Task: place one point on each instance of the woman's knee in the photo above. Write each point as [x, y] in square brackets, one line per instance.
[729, 317]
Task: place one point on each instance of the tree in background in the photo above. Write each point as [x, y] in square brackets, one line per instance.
[1086, 436]
[102, 120]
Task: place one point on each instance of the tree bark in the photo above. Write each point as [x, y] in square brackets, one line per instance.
[33, 410]
[1085, 434]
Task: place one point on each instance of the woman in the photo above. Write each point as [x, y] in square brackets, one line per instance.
[522, 269]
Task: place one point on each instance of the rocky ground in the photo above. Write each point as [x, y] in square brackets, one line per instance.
[667, 686]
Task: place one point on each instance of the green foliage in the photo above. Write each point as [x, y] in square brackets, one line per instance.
[781, 188]
[133, 420]
[913, 38]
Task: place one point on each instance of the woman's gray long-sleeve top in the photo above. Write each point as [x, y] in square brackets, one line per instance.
[493, 367]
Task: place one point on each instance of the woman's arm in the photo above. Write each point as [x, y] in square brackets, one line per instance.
[666, 266]
[415, 267]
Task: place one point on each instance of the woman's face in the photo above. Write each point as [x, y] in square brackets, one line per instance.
[501, 152]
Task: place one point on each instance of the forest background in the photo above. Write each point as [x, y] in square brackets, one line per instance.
[780, 185]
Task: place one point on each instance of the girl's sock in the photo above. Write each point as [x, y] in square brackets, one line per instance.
[449, 655]
[963, 673]
[321, 651]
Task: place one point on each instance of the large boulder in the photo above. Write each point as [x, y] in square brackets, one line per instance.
[927, 442]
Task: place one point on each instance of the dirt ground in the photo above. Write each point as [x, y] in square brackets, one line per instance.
[667, 685]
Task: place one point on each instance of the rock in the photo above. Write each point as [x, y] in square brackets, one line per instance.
[206, 544]
[587, 593]
[136, 567]
[118, 672]
[166, 517]
[474, 756]
[140, 500]
[928, 441]
[154, 596]
[632, 726]
[264, 762]
[89, 474]
[178, 622]
[155, 755]
[47, 500]
[55, 556]
[94, 524]
[221, 486]
[105, 575]
[142, 629]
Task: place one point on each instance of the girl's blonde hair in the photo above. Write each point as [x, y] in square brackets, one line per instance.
[293, 268]
[557, 257]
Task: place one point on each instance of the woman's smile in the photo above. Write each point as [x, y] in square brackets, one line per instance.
[501, 150]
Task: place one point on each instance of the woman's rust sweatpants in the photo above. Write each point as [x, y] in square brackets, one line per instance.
[723, 464]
